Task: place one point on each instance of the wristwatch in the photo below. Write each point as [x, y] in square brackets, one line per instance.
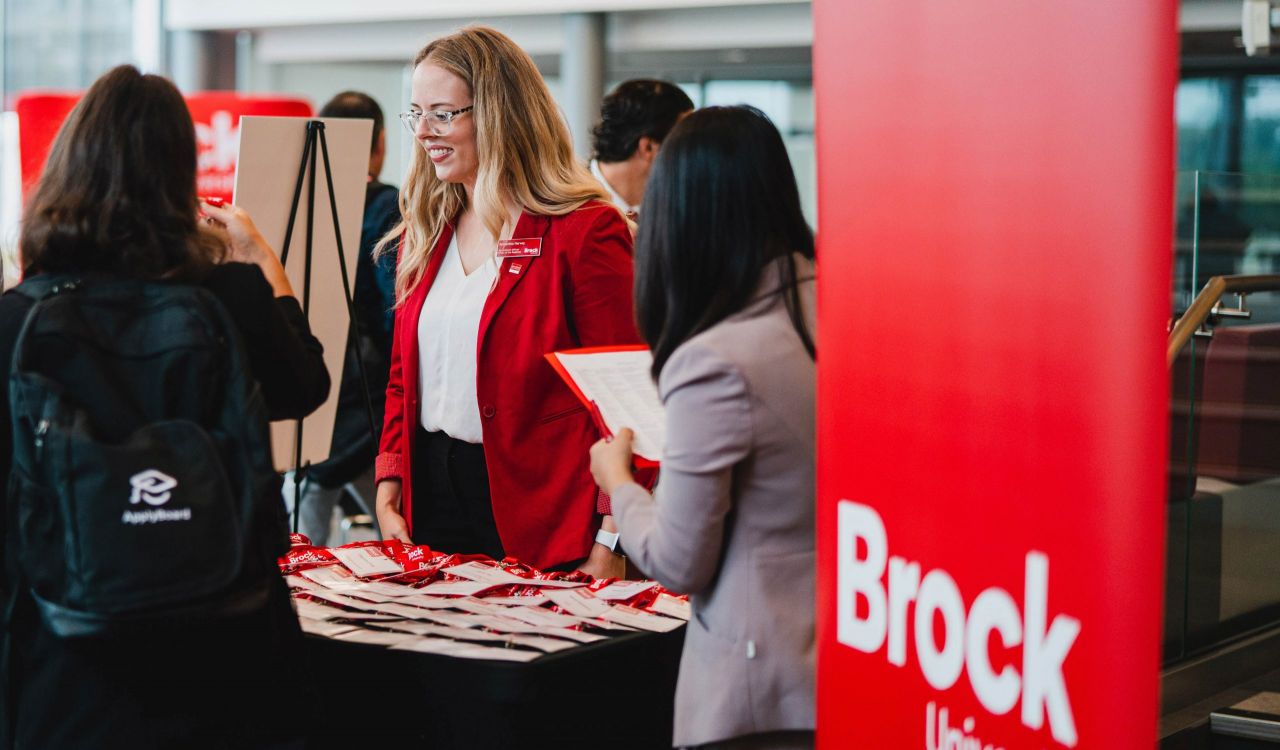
[608, 539]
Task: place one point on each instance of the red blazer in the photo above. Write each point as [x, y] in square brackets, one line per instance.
[537, 434]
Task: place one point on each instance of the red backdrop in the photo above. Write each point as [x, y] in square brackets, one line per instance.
[995, 195]
[217, 120]
[39, 117]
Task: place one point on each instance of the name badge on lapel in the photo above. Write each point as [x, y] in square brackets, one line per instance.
[526, 248]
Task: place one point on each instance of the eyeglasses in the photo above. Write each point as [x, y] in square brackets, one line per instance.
[439, 121]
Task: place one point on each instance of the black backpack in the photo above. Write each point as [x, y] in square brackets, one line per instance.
[142, 479]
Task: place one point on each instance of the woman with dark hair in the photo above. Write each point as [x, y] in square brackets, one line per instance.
[724, 298]
[117, 204]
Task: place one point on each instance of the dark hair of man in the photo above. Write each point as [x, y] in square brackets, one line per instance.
[118, 193]
[636, 109]
[355, 104]
[721, 205]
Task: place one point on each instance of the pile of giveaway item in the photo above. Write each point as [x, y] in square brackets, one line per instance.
[413, 598]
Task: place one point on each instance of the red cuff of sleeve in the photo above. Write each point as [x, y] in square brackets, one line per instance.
[388, 466]
[604, 505]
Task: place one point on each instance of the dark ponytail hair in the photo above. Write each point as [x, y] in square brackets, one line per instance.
[721, 205]
[118, 194]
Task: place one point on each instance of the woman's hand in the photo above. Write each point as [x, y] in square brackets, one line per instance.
[611, 468]
[604, 563]
[387, 506]
[611, 461]
[245, 244]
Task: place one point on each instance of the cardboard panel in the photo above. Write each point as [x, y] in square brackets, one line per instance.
[270, 155]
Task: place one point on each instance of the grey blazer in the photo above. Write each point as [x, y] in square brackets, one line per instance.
[733, 521]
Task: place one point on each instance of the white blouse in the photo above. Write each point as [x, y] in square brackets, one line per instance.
[448, 335]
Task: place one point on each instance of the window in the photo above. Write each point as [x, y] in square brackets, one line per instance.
[62, 43]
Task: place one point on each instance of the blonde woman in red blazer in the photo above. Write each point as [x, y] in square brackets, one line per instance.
[508, 250]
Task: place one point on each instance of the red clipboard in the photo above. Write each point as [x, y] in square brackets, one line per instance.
[592, 409]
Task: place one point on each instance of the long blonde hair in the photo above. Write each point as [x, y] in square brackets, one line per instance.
[523, 144]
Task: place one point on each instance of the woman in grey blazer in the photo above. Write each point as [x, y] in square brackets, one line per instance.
[724, 297]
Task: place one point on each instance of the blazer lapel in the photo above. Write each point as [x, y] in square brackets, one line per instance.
[512, 270]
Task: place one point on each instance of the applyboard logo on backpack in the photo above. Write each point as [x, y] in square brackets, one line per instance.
[153, 487]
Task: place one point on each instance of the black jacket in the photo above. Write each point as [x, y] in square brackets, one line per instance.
[234, 684]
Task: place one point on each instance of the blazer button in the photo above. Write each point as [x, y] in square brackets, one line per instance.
[488, 411]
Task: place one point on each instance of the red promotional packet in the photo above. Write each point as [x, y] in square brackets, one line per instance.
[305, 557]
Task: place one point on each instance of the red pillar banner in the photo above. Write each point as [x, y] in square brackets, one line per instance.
[995, 189]
[217, 120]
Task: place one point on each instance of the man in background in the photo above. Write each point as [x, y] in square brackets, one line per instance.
[634, 119]
[373, 294]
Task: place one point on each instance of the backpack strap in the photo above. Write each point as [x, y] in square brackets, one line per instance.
[45, 285]
[38, 289]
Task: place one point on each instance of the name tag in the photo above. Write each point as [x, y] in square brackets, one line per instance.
[527, 248]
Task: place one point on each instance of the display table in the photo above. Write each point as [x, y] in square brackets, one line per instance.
[408, 647]
[617, 693]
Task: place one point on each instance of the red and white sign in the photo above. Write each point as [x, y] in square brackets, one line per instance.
[217, 120]
[217, 116]
[992, 453]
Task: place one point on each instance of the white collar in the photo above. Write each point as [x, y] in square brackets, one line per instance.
[627, 208]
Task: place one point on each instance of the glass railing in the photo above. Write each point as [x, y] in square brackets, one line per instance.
[1223, 559]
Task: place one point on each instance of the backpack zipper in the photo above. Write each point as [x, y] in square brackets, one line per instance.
[41, 429]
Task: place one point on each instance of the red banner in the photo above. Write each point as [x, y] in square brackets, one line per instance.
[40, 115]
[217, 120]
[217, 116]
[995, 184]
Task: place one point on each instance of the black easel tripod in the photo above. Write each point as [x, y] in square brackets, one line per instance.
[316, 141]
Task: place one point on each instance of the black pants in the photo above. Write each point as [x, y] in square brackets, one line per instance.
[451, 507]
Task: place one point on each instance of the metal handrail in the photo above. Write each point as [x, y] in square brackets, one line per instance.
[1206, 301]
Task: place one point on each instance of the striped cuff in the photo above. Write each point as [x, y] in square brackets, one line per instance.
[604, 505]
[388, 466]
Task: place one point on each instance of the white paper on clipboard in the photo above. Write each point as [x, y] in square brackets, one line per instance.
[620, 385]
